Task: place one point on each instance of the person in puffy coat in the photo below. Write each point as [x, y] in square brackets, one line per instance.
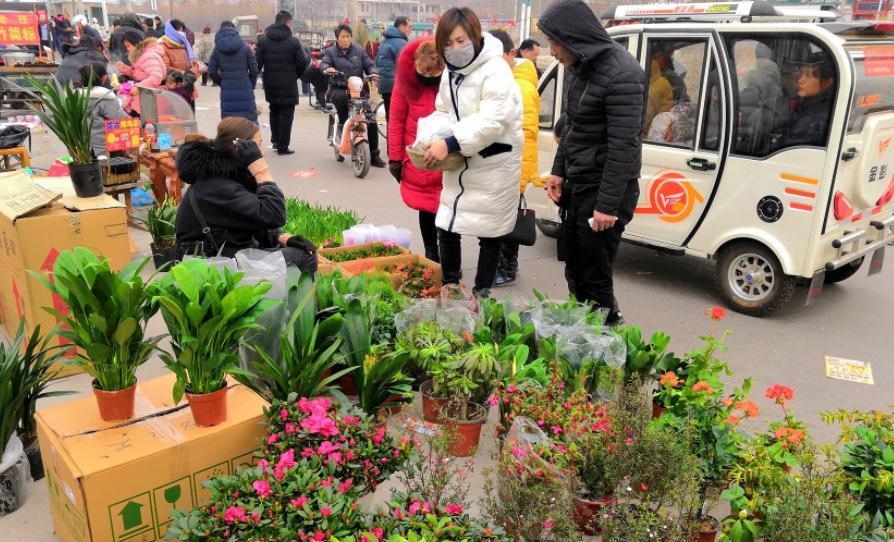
[233, 67]
[396, 39]
[526, 78]
[282, 59]
[419, 70]
[204, 50]
[178, 53]
[233, 190]
[104, 104]
[81, 53]
[147, 69]
[480, 97]
[600, 151]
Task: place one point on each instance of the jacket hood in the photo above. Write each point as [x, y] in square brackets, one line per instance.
[493, 48]
[145, 45]
[278, 32]
[406, 66]
[573, 24]
[170, 44]
[394, 32]
[203, 160]
[132, 20]
[525, 70]
[228, 41]
[102, 93]
[74, 49]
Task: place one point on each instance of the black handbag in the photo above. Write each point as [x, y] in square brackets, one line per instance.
[525, 232]
[14, 135]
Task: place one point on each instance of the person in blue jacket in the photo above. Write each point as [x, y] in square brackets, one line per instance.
[396, 39]
[233, 67]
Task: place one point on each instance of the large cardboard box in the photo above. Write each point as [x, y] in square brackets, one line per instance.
[118, 482]
[35, 226]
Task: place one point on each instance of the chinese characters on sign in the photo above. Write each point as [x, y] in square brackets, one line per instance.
[18, 28]
[122, 135]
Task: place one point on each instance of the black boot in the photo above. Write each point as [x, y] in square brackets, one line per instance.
[377, 160]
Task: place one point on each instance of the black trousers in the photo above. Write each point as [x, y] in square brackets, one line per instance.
[451, 259]
[386, 99]
[339, 98]
[509, 259]
[281, 118]
[429, 235]
[204, 78]
[590, 256]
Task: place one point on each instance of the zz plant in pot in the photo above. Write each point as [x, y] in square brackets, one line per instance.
[68, 114]
[27, 364]
[106, 319]
[207, 311]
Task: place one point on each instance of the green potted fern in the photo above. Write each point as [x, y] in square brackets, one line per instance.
[161, 222]
[207, 312]
[107, 318]
[67, 113]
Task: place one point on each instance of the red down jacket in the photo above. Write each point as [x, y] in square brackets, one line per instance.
[410, 101]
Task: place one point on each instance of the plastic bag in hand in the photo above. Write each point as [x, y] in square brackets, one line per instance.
[432, 128]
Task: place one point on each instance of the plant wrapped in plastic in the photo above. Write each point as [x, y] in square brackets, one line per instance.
[344, 437]
[207, 311]
[282, 499]
[375, 293]
[107, 316]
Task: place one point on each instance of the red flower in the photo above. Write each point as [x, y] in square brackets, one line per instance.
[716, 313]
[780, 393]
[749, 408]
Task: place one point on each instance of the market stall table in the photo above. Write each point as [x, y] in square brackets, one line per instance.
[163, 174]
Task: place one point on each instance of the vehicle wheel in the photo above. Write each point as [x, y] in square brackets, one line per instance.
[549, 228]
[360, 159]
[751, 280]
[338, 156]
[381, 122]
[845, 272]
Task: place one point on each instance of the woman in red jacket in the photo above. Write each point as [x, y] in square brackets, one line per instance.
[419, 69]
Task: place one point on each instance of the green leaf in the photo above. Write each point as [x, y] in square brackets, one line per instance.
[125, 330]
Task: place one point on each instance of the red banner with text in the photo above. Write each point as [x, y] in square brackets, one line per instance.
[18, 28]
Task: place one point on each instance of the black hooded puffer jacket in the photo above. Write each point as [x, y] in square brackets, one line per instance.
[117, 50]
[601, 148]
[241, 213]
[282, 60]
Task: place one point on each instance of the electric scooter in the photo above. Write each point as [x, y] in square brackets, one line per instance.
[351, 141]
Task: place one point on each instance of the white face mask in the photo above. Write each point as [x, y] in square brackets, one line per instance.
[461, 57]
[182, 34]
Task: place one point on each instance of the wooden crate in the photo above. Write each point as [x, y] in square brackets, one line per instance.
[354, 266]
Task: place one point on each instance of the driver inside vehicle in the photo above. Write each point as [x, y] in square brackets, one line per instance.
[809, 120]
[350, 59]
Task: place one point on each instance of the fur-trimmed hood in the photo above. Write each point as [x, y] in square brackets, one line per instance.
[203, 160]
[142, 47]
[406, 68]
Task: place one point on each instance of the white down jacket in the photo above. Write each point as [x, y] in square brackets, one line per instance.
[481, 198]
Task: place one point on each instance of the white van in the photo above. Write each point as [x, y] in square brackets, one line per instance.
[732, 168]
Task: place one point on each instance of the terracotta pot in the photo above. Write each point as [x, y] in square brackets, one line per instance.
[467, 432]
[208, 409]
[586, 514]
[395, 410]
[348, 385]
[431, 405]
[657, 410]
[707, 531]
[115, 405]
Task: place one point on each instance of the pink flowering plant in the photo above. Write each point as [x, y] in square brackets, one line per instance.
[344, 438]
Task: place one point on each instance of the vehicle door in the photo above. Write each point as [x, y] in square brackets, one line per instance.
[682, 135]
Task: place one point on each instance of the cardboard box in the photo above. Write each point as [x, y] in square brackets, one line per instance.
[388, 264]
[118, 482]
[34, 229]
[355, 266]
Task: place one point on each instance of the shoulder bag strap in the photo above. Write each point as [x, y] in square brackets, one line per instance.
[206, 230]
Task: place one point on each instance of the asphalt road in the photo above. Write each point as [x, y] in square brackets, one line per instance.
[853, 320]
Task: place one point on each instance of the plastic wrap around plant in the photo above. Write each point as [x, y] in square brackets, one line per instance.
[455, 311]
[15, 477]
[577, 339]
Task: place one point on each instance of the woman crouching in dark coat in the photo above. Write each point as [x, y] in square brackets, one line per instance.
[232, 202]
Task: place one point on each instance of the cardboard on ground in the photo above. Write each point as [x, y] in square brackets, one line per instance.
[118, 482]
[34, 229]
[849, 370]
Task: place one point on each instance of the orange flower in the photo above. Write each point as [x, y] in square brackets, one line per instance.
[780, 394]
[701, 385]
[716, 313]
[789, 436]
[749, 408]
[670, 379]
[733, 419]
[727, 402]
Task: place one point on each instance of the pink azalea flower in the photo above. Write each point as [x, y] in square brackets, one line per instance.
[548, 524]
[319, 425]
[379, 437]
[262, 488]
[299, 502]
[512, 389]
[273, 438]
[493, 400]
[414, 508]
[454, 509]
[344, 486]
[327, 448]
[283, 414]
[234, 514]
[379, 532]
[326, 512]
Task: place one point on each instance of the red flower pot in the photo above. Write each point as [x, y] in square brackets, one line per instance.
[707, 531]
[431, 405]
[657, 410]
[586, 514]
[115, 405]
[467, 432]
[208, 409]
[348, 385]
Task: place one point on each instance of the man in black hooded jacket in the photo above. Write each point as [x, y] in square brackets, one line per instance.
[282, 60]
[117, 50]
[595, 175]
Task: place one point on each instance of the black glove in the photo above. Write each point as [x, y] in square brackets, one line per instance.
[296, 241]
[247, 151]
[396, 168]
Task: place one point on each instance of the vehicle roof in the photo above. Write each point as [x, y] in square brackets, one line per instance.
[847, 32]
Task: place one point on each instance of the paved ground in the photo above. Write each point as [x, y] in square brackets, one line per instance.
[852, 320]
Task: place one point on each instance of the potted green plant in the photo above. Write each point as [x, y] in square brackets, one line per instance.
[461, 416]
[31, 359]
[431, 349]
[206, 311]
[68, 114]
[160, 222]
[106, 319]
[14, 474]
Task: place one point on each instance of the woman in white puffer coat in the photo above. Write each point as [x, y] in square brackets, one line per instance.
[479, 94]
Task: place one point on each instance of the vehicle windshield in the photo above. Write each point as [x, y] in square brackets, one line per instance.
[874, 77]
